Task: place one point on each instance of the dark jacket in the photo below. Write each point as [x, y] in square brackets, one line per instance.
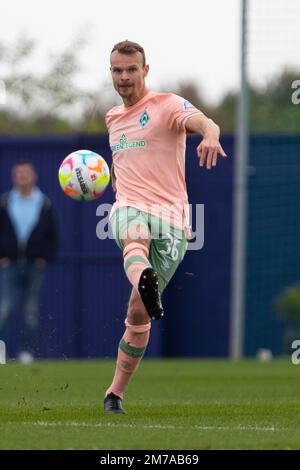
[42, 242]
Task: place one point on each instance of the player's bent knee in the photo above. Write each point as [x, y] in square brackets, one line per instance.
[135, 249]
[137, 315]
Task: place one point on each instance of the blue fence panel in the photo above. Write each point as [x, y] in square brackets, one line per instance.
[197, 298]
[273, 252]
[86, 291]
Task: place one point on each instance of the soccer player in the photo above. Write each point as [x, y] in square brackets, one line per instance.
[149, 219]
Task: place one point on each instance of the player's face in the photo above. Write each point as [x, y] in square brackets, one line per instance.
[128, 75]
[24, 177]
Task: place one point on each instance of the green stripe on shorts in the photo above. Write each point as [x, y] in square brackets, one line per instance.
[131, 350]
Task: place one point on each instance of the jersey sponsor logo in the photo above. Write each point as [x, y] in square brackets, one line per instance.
[144, 119]
[187, 105]
[125, 144]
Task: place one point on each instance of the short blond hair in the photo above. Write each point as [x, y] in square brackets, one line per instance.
[129, 47]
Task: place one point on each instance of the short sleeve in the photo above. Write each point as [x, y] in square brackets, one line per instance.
[108, 119]
[179, 110]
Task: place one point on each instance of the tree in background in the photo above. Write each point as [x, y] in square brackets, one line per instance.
[42, 103]
[271, 108]
[287, 305]
[52, 102]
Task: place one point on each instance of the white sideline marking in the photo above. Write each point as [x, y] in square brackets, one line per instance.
[144, 426]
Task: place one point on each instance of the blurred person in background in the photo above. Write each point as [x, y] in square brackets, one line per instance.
[28, 242]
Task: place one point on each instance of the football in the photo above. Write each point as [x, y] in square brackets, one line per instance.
[83, 175]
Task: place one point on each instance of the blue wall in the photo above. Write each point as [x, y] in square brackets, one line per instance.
[86, 292]
[273, 236]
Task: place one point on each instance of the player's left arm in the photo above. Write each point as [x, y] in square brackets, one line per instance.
[210, 147]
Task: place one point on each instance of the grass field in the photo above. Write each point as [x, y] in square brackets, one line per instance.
[171, 404]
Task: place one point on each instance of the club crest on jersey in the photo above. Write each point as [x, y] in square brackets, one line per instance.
[144, 119]
[124, 144]
[187, 105]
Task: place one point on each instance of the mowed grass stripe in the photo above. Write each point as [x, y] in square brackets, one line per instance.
[147, 426]
[170, 404]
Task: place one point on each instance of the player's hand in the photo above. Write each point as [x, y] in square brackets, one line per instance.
[208, 150]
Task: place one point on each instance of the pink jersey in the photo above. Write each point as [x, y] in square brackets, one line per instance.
[148, 142]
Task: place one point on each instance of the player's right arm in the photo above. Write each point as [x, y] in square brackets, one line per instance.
[182, 114]
[210, 147]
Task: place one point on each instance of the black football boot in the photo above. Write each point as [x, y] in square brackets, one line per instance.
[148, 289]
[113, 404]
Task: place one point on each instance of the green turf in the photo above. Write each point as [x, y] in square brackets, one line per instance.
[171, 404]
